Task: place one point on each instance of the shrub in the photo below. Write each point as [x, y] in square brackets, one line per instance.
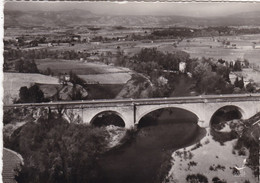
[217, 180]
[198, 178]
[192, 163]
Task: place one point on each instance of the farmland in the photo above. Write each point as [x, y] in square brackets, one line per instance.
[90, 72]
[107, 53]
[79, 67]
[96, 61]
[209, 47]
[94, 73]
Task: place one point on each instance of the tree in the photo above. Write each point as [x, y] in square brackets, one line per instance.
[31, 95]
[236, 83]
[224, 72]
[241, 83]
[201, 70]
[208, 84]
[48, 71]
[26, 66]
[35, 94]
[76, 93]
[75, 79]
[23, 94]
[19, 65]
[237, 66]
[59, 152]
[250, 87]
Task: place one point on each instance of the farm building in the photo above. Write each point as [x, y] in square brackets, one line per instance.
[64, 78]
[95, 43]
[256, 46]
[75, 37]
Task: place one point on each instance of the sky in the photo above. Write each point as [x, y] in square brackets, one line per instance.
[141, 8]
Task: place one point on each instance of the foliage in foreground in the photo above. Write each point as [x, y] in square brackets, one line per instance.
[56, 151]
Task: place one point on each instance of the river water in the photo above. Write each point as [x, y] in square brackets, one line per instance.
[144, 159]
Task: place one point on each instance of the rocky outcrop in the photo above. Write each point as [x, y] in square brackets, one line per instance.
[137, 87]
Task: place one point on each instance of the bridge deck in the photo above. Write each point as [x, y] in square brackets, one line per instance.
[148, 101]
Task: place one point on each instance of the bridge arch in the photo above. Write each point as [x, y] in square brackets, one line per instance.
[155, 108]
[120, 118]
[238, 109]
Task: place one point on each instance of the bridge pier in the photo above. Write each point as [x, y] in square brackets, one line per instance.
[125, 112]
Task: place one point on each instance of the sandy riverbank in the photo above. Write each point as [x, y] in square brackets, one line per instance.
[211, 159]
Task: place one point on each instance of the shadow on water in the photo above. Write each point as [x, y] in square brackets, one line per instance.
[142, 159]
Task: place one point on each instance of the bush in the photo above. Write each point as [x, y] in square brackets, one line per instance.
[192, 163]
[198, 178]
[217, 180]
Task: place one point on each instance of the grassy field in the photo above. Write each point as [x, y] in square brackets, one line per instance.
[79, 67]
[97, 72]
[14, 81]
[109, 78]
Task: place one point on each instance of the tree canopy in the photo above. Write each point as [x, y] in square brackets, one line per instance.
[32, 94]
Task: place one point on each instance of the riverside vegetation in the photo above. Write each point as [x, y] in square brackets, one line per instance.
[51, 149]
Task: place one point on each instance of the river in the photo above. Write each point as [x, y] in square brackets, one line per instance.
[146, 157]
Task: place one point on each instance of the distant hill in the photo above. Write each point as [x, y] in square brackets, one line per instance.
[81, 17]
[46, 18]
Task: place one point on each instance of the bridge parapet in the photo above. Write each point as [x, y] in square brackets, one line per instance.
[147, 101]
[132, 110]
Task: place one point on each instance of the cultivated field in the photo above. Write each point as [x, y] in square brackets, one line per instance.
[96, 72]
[210, 47]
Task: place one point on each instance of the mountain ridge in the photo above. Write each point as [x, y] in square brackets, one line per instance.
[14, 18]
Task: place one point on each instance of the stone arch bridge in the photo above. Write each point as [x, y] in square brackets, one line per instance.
[132, 110]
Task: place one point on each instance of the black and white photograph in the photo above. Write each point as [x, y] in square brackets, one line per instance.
[130, 92]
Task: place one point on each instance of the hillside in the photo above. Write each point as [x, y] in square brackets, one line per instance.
[82, 17]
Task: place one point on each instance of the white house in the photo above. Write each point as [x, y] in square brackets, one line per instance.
[182, 67]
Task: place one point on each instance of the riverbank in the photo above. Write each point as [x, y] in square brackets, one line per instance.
[210, 160]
